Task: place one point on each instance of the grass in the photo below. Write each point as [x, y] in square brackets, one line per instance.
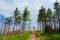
[25, 35]
[20, 36]
[1, 38]
[48, 36]
[54, 36]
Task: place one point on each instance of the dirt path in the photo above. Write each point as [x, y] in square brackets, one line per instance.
[33, 37]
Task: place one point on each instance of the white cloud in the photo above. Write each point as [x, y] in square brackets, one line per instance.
[7, 7]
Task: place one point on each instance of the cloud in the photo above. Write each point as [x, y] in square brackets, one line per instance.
[7, 7]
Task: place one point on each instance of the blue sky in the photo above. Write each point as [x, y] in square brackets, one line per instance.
[7, 7]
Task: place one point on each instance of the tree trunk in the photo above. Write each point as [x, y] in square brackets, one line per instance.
[42, 25]
[1, 25]
[19, 26]
[8, 28]
[38, 25]
[54, 24]
[29, 25]
[14, 27]
[59, 24]
[1, 29]
[4, 29]
[45, 22]
[23, 26]
[51, 23]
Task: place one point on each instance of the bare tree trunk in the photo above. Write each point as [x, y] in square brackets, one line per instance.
[19, 26]
[38, 25]
[4, 29]
[29, 25]
[14, 27]
[59, 24]
[23, 26]
[51, 23]
[1, 25]
[54, 23]
[8, 28]
[1, 29]
[42, 25]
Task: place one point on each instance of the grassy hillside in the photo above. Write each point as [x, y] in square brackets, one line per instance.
[25, 35]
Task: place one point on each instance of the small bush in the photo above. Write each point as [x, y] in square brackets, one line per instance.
[48, 28]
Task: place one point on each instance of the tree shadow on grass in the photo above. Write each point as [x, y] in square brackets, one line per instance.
[53, 38]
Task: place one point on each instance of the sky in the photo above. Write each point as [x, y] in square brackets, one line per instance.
[7, 7]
